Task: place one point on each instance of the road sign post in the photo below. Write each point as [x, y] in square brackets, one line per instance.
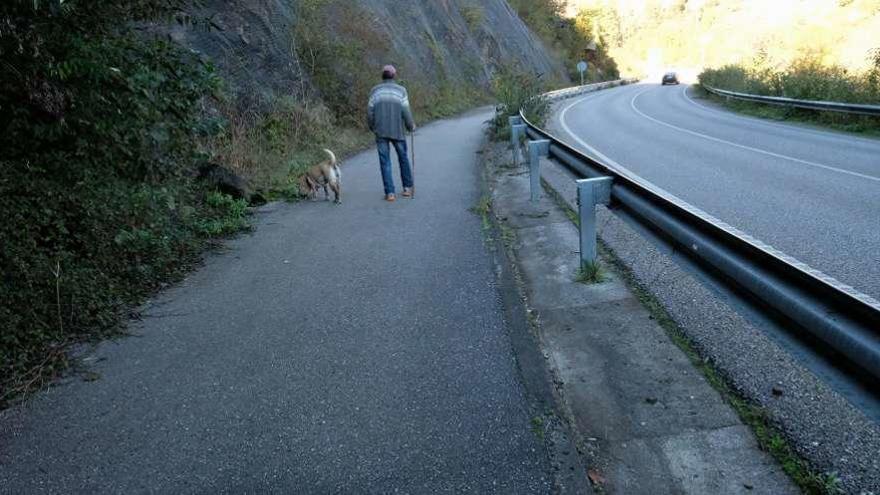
[582, 67]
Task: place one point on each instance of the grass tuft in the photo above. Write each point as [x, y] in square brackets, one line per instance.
[537, 423]
[590, 273]
[483, 209]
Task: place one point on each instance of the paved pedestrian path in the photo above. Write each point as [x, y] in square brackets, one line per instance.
[350, 349]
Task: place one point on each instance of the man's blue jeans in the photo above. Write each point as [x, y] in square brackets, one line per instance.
[385, 163]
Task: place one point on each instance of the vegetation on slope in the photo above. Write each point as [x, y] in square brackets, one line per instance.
[572, 39]
[96, 127]
[515, 90]
[804, 79]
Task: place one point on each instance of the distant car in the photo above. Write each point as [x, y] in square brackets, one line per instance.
[670, 78]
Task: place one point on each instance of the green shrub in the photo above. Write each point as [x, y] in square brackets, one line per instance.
[272, 148]
[97, 122]
[804, 79]
[226, 216]
[568, 37]
[515, 90]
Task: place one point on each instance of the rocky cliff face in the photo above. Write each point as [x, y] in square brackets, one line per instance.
[266, 48]
[251, 44]
[463, 39]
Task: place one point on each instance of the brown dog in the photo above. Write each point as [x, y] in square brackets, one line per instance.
[323, 175]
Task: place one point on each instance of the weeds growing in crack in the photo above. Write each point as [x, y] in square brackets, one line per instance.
[590, 273]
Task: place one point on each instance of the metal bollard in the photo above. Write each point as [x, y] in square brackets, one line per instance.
[591, 192]
[537, 149]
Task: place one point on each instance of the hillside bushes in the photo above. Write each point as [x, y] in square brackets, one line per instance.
[804, 79]
[97, 122]
[568, 37]
[515, 90]
[271, 148]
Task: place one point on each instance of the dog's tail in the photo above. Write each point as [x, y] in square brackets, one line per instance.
[333, 164]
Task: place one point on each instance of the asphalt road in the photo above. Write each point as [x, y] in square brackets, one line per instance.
[351, 349]
[812, 194]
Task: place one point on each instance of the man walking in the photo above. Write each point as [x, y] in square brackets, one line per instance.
[389, 116]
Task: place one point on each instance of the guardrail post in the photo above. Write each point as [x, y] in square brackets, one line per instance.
[537, 149]
[591, 192]
[516, 131]
[515, 128]
[514, 120]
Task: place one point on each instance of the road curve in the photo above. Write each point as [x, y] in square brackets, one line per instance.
[812, 194]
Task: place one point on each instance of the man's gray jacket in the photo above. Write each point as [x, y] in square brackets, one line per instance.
[388, 113]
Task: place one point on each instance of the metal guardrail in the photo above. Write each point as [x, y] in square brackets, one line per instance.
[812, 304]
[830, 106]
[564, 93]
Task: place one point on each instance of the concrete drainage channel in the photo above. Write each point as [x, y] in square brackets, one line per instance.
[821, 426]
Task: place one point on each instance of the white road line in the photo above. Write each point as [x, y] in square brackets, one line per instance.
[603, 157]
[788, 127]
[632, 104]
[598, 154]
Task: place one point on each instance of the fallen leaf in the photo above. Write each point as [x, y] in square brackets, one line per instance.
[595, 477]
